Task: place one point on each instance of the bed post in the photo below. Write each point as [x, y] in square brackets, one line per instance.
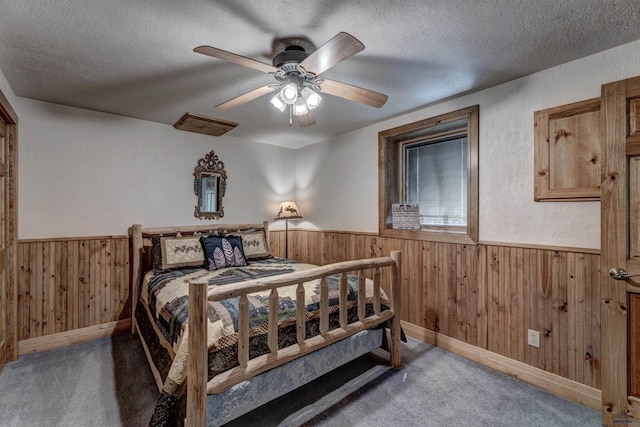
[197, 356]
[135, 277]
[394, 342]
[265, 224]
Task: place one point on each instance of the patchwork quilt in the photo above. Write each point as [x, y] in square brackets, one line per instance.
[162, 315]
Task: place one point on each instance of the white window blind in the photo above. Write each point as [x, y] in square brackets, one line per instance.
[435, 177]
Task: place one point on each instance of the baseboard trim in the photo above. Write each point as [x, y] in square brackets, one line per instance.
[560, 386]
[76, 336]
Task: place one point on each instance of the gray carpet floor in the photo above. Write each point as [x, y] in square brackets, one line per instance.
[107, 382]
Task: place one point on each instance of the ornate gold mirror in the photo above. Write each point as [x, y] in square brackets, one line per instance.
[209, 184]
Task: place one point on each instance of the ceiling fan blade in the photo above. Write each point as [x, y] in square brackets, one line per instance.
[339, 48]
[353, 93]
[246, 97]
[236, 59]
[308, 119]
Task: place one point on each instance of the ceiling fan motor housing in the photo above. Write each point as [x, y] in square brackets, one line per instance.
[291, 55]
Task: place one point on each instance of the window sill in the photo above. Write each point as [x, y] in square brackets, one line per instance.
[430, 234]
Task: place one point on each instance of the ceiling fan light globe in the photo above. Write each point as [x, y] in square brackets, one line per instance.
[300, 107]
[311, 98]
[314, 101]
[278, 103]
[289, 93]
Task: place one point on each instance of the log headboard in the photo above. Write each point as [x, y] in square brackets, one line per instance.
[142, 247]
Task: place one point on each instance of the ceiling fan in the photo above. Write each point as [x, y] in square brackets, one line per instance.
[297, 66]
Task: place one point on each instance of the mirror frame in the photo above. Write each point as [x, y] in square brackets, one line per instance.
[210, 166]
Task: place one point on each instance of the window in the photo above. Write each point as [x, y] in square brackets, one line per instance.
[433, 164]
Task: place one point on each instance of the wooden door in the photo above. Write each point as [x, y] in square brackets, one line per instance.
[620, 248]
[3, 275]
[8, 231]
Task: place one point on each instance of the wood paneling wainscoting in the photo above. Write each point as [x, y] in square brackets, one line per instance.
[72, 290]
[486, 297]
[477, 301]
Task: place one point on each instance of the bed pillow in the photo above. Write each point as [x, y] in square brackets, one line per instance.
[254, 244]
[174, 253]
[222, 252]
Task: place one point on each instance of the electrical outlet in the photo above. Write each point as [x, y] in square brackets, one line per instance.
[533, 338]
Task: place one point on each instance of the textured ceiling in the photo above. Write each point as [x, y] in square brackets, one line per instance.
[134, 57]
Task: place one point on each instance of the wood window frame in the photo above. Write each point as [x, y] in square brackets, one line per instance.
[390, 179]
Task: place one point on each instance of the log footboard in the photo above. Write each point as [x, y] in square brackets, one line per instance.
[197, 386]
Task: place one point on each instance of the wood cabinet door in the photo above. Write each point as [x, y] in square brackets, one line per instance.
[620, 249]
[567, 152]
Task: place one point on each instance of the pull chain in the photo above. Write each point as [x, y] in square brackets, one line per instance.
[290, 115]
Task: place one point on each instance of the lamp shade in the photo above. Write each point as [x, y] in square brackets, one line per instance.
[288, 210]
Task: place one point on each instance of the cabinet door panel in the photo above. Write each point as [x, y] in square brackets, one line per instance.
[567, 152]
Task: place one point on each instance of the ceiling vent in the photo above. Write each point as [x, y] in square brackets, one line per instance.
[203, 124]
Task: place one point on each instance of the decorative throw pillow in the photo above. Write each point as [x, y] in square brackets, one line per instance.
[254, 244]
[222, 252]
[171, 253]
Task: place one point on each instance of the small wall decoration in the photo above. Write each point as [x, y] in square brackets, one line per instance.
[405, 216]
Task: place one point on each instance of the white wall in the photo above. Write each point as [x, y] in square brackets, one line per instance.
[6, 90]
[84, 173]
[337, 180]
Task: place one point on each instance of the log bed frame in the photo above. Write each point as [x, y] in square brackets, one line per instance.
[197, 385]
